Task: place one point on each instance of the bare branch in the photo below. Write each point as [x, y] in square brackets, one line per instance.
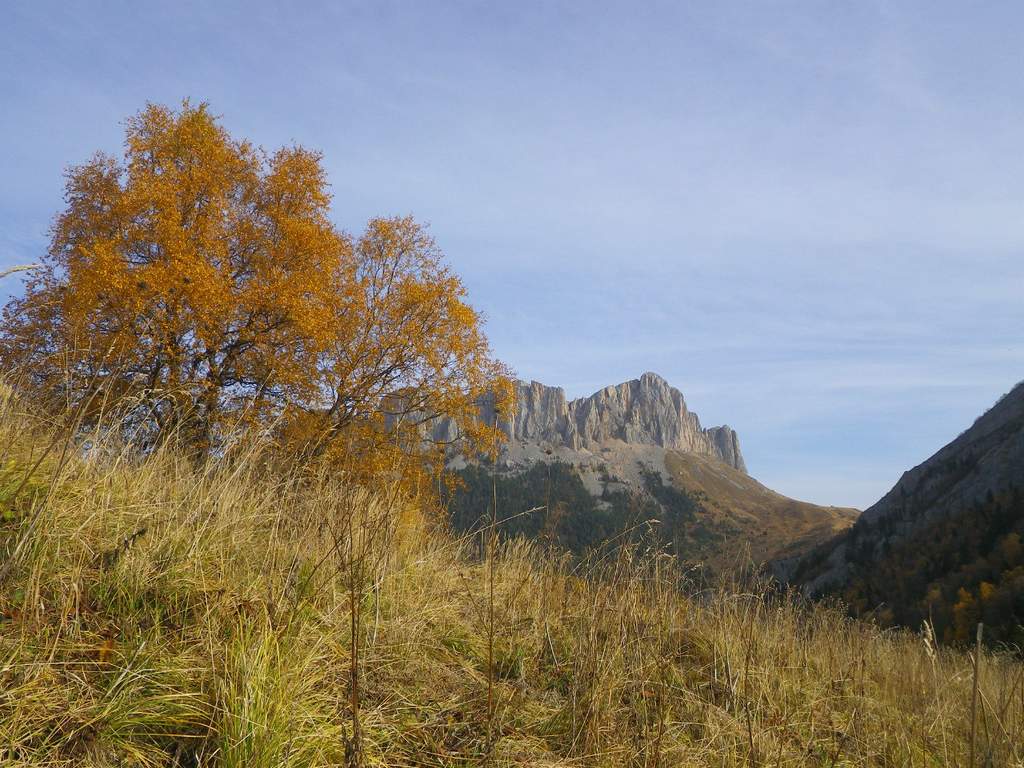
[22, 268]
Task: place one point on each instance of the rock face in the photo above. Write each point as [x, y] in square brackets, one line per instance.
[645, 411]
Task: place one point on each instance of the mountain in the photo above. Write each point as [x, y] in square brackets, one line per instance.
[945, 542]
[645, 411]
[633, 456]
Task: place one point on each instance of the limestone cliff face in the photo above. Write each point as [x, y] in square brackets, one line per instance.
[645, 411]
[727, 446]
[542, 413]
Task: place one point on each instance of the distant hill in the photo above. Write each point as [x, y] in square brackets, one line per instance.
[633, 457]
[945, 542]
[769, 524]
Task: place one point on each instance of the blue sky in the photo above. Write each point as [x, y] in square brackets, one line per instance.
[807, 216]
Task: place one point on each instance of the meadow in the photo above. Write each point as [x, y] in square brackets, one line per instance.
[159, 611]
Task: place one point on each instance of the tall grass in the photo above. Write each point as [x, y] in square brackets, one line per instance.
[164, 614]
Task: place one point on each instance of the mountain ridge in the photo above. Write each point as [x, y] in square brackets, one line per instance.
[944, 544]
[645, 411]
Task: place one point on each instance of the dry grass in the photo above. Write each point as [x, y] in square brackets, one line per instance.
[158, 615]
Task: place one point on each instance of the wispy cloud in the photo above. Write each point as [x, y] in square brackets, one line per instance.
[805, 215]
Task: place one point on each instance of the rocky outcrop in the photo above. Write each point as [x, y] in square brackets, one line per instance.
[727, 446]
[645, 411]
[542, 414]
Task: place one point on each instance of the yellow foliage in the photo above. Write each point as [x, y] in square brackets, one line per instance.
[986, 590]
[1011, 547]
[965, 615]
[198, 283]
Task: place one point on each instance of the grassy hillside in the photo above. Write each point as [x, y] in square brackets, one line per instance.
[155, 614]
[771, 525]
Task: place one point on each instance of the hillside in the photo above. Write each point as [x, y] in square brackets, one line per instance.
[772, 525]
[643, 457]
[945, 542]
[156, 613]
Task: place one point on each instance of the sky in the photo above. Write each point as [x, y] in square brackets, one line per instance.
[808, 217]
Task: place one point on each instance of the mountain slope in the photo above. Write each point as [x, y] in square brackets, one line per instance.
[648, 465]
[770, 524]
[945, 542]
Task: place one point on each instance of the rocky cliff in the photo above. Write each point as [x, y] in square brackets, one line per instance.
[644, 411]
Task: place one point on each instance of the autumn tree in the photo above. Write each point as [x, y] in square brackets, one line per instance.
[199, 282]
